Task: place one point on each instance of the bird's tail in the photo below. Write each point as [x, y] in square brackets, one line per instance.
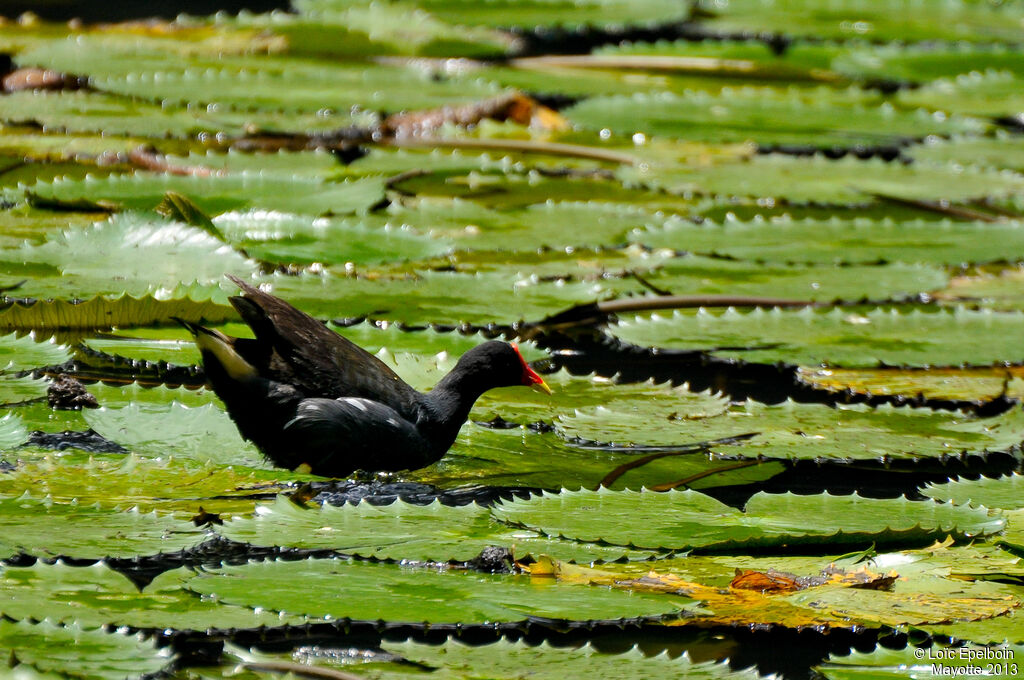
[214, 345]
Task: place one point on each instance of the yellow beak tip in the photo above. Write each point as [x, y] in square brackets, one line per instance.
[541, 387]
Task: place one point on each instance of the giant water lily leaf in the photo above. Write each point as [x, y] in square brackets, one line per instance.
[101, 312]
[219, 193]
[835, 240]
[506, 660]
[335, 587]
[689, 519]
[960, 384]
[178, 486]
[303, 239]
[522, 457]
[89, 654]
[203, 433]
[803, 431]
[1008, 628]
[847, 180]
[97, 595]
[355, 29]
[252, 82]
[990, 94]
[822, 117]
[44, 528]
[838, 337]
[155, 255]
[29, 351]
[95, 112]
[921, 63]
[1001, 291]
[934, 661]
[472, 226]
[797, 592]
[12, 431]
[401, 531]
[1000, 151]
[902, 20]
[698, 275]
[560, 13]
[1004, 492]
[435, 296]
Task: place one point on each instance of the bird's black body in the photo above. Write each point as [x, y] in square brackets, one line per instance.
[306, 395]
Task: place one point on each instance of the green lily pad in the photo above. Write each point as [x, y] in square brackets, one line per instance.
[838, 337]
[29, 351]
[505, 660]
[202, 433]
[333, 588]
[978, 94]
[168, 486]
[802, 431]
[97, 596]
[89, 654]
[154, 256]
[12, 432]
[961, 384]
[220, 193]
[401, 531]
[902, 20]
[822, 118]
[1003, 492]
[282, 237]
[934, 661]
[44, 528]
[1001, 151]
[838, 241]
[817, 179]
[521, 457]
[689, 519]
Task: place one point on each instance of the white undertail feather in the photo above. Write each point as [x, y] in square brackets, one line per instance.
[217, 344]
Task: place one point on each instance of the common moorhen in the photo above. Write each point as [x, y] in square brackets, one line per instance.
[306, 395]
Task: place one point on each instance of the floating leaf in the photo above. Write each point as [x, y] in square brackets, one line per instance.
[46, 529]
[980, 94]
[97, 596]
[401, 531]
[220, 193]
[966, 384]
[103, 313]
[89, 654]
[1001, 151]
[936, 660]
[838, 337]
[12, 432]
[689, 519]
[838, 241]
[1003, 492]
[901, 20]
[284, 237]
[821, 118]
[334, 588]
[507, 660]
[154, 256]
[28, 351]
[802, 431]
[179, 486]
[203, 433]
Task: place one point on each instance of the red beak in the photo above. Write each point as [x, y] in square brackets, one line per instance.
[530, 377]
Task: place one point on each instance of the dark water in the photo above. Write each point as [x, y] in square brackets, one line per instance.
[92, 11]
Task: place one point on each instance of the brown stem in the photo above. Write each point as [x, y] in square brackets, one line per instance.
[686, 481]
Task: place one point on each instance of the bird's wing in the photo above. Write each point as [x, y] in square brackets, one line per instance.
[342, 435]
[300, 350]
